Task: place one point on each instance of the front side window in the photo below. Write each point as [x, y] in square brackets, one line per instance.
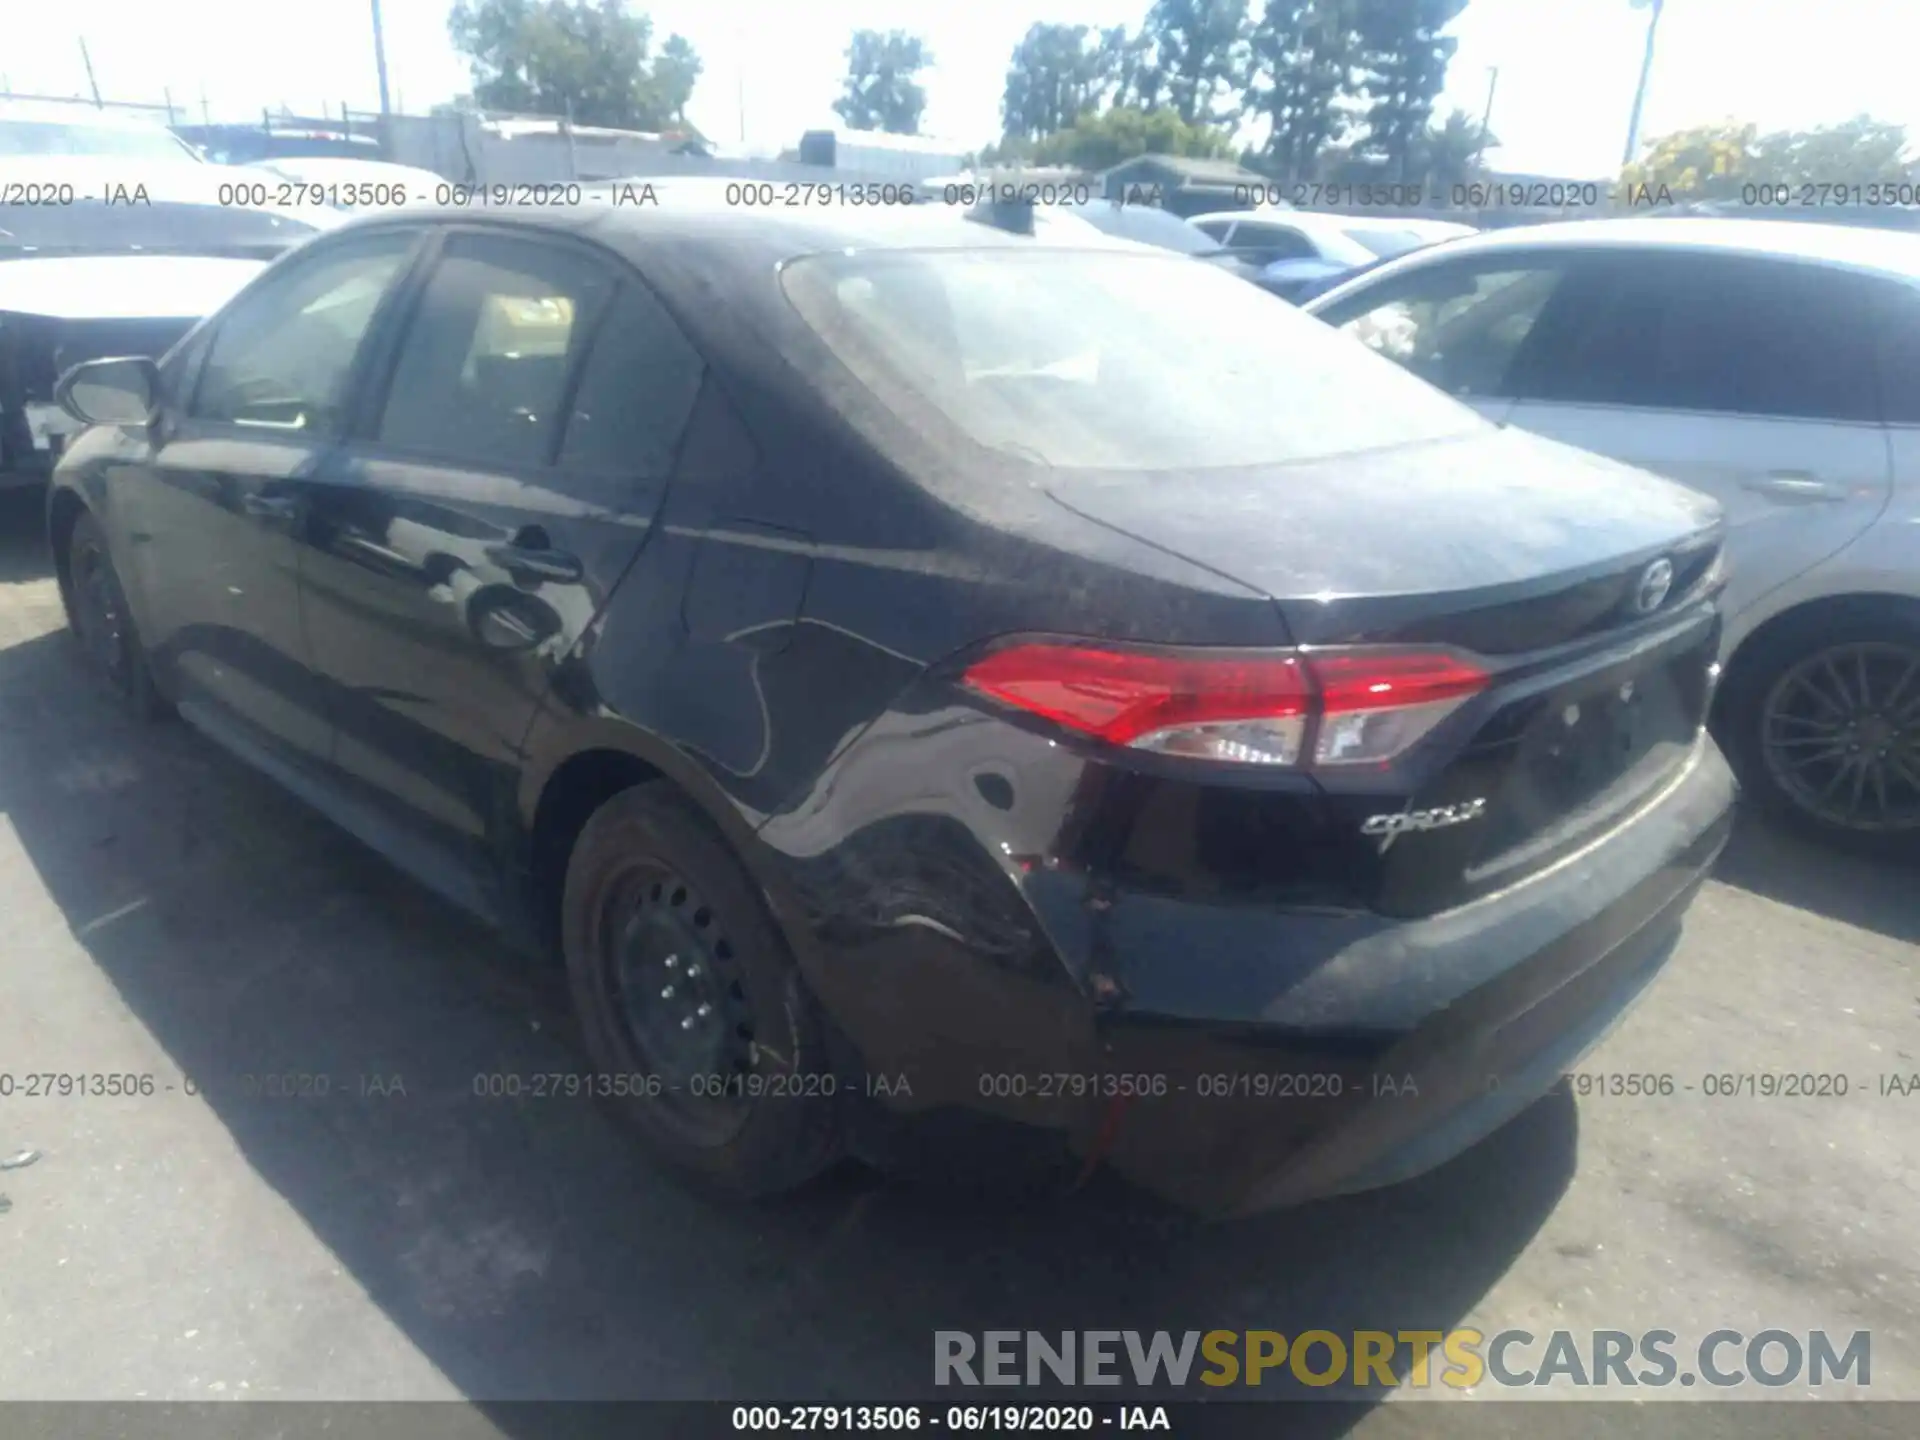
[282, 357]
[482, 372]
[1100, 360]
[1456, 327]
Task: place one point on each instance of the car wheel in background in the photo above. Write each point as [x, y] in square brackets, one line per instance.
[1824, 723]
[103, 622]
[692, 1009]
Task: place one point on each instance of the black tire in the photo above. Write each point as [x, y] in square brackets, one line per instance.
[654, 894]
[103, 624]
[1783, 702]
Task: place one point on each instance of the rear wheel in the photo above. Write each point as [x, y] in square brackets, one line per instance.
[690, 1002]
[103, 621]
[1825, 723]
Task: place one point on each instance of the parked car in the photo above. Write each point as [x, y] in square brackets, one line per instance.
[83, 275]
[1293, 280]
[1773, 366]
[1301, 253]
[1265, 236]
[46, 129]
[1147, 225]
[908, 668]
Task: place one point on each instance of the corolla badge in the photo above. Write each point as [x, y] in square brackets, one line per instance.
[1392, 827]
[1655, 581]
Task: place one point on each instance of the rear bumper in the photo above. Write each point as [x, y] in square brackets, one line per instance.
[1240, 1058]
[1413, 1044]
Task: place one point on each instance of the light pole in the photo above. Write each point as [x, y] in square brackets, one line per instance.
[380, 57]
[1646, 70]
[1486, 118]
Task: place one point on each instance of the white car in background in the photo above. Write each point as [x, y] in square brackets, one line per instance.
[1345, 240]
[1772, 365]
[117, 238]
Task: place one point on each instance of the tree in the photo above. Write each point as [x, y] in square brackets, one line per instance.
[1057, 74]
[1303, 54]
[1646, 72]
[544, 56]
[1448, 154]
[1859, 151]
[1199, 50]
[674, 74]
[1403, 62]
[1708, 162]
[1718, 162]
[1099, 142]
[880, 91]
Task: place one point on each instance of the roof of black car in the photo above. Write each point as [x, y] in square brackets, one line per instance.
[636, 216]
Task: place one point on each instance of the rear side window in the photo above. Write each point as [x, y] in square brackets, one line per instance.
[1900, 353]
[282, 356]
[1716, 333]
[641, 379]
[482, 373]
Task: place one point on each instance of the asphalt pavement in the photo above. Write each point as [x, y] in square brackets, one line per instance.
[164, 912]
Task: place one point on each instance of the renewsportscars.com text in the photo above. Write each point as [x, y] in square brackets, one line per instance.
[1457, 1359]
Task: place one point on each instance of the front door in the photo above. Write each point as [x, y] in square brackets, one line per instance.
[215, 516]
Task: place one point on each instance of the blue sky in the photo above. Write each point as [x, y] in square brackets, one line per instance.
[1567, 67]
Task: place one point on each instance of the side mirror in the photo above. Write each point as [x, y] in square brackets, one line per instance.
[110, 392]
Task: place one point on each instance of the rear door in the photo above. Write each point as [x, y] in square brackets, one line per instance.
[463, 542]
[1458, 324]
[1752, 380]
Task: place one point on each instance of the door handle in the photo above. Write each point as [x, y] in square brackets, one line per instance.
[527, 562]
[270, 507]
[1795, 485]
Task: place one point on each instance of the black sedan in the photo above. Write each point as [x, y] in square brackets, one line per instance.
[908, 668]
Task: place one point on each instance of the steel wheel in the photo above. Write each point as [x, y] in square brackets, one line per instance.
[1840, 735]
[674, 983]
[100, 613]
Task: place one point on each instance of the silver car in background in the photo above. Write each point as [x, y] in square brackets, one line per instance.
[1774, 366]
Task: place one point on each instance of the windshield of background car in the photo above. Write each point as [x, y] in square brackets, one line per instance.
[1104, 360]
[45, 137]
[161, 227]
[1385, 244]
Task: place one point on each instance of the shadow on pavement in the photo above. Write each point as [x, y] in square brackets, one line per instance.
[526, 1247]
[23, 539]
[1873, 892]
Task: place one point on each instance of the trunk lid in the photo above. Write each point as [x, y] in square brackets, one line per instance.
[1498, 541]
[1584, 587]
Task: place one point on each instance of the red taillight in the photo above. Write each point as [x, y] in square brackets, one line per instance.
[1344, 708]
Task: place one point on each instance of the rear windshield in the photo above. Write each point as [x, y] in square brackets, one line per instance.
[1110, 361]
[1385, 244]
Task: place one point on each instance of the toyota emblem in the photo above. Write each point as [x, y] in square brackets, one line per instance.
[1655, 581]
